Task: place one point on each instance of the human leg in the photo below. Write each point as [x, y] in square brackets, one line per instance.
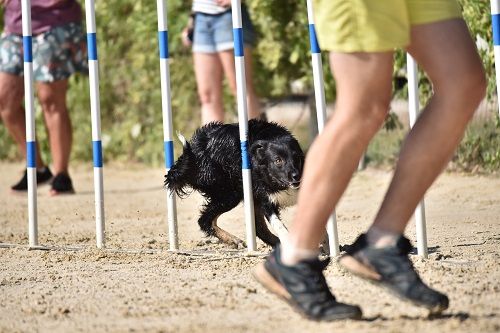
[227, 60]
[52, 98]
[12, 112]
[363, 91]
[208, 71]
[459, 86]
[363, 96]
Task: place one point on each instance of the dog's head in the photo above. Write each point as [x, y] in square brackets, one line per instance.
[279, 162]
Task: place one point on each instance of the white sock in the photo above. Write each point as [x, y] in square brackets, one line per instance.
[379, 238]
[291, 255]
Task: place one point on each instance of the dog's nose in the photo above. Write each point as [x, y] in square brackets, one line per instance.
[295, 176]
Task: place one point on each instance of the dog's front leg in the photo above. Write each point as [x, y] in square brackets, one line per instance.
[271, 212]
[262, 229]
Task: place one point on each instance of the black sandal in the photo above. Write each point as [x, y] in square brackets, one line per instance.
[42, 176]
[61, 184]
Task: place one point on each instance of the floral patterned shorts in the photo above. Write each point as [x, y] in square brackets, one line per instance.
[57, 53]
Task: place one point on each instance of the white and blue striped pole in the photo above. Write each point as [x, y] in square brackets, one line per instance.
[413, 101]
[30, 123]
[319, 93]
[239, 59]
[495, 23]
[96, 121]
[167, 119]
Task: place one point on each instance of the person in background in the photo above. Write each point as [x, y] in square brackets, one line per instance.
[362, 36]
[59, 50]
[210, 33]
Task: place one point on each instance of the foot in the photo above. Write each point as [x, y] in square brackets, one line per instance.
[61, 184]
[43, 176]
[304, 287]
[391, 268]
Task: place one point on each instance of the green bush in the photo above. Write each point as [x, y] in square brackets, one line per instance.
[479, 150]
[129, 73]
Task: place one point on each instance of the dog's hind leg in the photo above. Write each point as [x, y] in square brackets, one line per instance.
[208, 220]
[262, 230]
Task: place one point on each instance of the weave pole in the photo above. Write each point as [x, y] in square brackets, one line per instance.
[166, 105]
[319, 94]
[413, 108]
[30, 123]
[241, 93]
[96, 121]
[495, 24]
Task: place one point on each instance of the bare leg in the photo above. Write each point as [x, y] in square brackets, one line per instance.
[459, 86]
[364, 92]
[227, 60]
[52, 97]
[208, 70]
[12, 112]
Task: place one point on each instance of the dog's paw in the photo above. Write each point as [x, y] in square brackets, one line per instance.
[238, 244]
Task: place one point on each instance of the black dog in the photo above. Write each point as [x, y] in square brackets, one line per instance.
[211, 164]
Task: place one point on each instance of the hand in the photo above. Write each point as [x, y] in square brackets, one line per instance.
[187, 33]
[186, 41]
[224, 3]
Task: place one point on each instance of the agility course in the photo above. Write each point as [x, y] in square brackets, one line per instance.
[320, 102]
[155, 272]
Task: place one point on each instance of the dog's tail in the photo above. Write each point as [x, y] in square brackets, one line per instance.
[177, 178]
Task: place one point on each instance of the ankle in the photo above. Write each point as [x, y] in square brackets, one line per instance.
[378, 237]
[292, 255]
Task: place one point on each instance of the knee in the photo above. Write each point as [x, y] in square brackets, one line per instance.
[466, 91]
[51, 102]
[477, 85]
[375, 112]
[205, 96]
[10, 101]
[472, 86]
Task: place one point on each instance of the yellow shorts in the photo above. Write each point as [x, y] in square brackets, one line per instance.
[375, 25]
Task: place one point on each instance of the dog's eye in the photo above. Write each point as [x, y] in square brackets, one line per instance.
[278, 161]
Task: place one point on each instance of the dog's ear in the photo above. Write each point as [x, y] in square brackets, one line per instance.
[258, 150]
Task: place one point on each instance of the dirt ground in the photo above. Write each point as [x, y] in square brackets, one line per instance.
[136, 285]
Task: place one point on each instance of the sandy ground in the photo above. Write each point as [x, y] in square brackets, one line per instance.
[136, 285]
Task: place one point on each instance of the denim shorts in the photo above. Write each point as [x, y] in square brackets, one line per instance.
[214, 33]
[57, 53]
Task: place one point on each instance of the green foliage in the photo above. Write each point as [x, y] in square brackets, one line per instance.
[130, 82]
[478, 18]
[130, 85]
[283, 50]
[384, 147]
[480, 147]
[478, 151]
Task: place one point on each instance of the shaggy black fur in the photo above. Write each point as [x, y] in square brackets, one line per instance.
[211, 165]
